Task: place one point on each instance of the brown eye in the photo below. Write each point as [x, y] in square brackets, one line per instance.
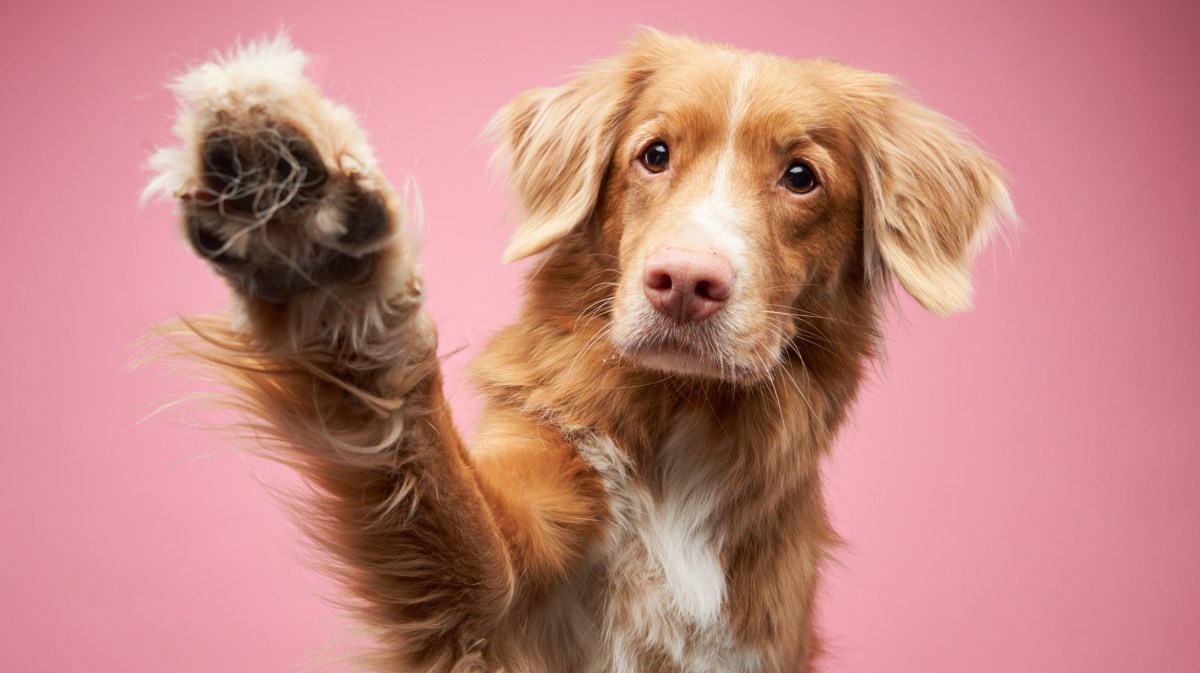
[800, 178]
[656, 156]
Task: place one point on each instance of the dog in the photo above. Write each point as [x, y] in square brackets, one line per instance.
[716, 233]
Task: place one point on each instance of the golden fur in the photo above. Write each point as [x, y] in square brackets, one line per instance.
[643, 495]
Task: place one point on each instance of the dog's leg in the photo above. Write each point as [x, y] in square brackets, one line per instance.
[330, 352]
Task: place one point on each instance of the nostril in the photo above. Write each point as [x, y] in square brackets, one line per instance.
[658, 281]
[713, 289]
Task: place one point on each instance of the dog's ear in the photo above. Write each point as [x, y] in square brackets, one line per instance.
[931, 198]
[558, 142]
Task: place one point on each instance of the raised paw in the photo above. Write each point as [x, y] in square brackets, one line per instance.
[274, 219]
[277, 186]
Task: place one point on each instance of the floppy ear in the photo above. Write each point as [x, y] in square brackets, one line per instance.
[931, 198]
[559, 141]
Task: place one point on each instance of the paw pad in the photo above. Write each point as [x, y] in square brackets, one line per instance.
[265, 212]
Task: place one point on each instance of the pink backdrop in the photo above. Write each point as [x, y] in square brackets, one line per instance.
[1019, 490]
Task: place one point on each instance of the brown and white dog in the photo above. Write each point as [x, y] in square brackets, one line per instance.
[717, 231]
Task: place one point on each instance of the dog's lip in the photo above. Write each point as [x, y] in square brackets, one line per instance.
[709, 349]
[674, 357]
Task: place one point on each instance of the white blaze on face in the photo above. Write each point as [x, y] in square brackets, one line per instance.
[712, 216]
[717, 221]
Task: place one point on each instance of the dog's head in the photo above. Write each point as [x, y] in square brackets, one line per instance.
[731, 192]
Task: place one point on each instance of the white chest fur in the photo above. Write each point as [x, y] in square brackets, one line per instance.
[665, 584]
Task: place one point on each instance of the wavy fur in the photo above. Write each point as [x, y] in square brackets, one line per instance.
[643, 495]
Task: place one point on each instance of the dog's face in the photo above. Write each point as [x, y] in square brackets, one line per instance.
[733, 192]
[729, 196]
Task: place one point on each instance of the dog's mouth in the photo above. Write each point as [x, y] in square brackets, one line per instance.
[700, 350]
[681, 361]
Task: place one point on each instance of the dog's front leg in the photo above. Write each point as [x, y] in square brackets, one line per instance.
[331, 354]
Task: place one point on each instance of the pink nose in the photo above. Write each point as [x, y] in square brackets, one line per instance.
[687, 285]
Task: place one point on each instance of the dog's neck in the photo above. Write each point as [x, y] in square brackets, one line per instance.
[556, 363]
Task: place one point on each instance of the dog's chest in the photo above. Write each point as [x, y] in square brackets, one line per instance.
[660, 572]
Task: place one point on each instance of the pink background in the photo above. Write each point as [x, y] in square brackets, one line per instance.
[1019, 489]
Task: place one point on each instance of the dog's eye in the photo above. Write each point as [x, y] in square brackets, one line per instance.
[800, 178]
[655, 157]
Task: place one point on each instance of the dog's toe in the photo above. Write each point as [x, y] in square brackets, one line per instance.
[211, 246]
[367, 219]
[298, 154]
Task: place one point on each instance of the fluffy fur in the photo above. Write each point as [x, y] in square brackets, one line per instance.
[645, 492]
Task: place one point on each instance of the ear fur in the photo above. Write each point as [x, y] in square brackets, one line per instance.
[558, 142]
[931, 198]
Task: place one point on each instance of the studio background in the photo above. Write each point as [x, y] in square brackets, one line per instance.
[1019, 486]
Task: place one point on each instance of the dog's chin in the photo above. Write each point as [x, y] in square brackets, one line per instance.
[716, 349]
[668, 351]
[684, 362]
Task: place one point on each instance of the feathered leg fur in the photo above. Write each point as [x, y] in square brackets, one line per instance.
[334, 360]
